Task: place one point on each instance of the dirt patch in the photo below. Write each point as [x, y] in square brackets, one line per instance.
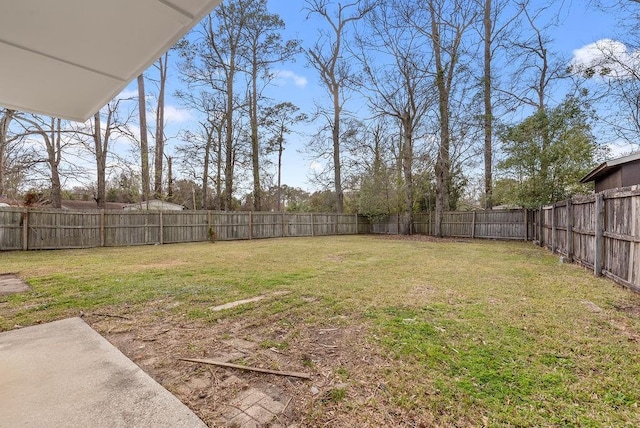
[344, 389]
[628, 309]
[11, 284]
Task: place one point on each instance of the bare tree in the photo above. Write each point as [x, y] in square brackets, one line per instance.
[162, 66]
[144, 143]
[263, 46]
[327, 58]
[101, 134]
[204, 147]
[497, 28]
[399, 86]
[537, 69]
[50, 132]
[446, 25]
[278, 120]
[6, 116]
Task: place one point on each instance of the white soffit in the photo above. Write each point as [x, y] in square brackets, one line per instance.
[68, 58]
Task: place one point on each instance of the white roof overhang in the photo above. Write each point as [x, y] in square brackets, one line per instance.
[68, 58]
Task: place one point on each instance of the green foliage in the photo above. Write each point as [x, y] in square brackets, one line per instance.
[547, 154]
[379, 195]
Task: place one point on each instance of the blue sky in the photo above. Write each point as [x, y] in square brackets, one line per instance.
[578, 26]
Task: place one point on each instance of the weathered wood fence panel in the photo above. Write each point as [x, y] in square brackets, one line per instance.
[38, 229]
[498, 224]
[11, 229]
[601, 232]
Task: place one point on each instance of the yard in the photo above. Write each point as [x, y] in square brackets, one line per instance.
[394, 332]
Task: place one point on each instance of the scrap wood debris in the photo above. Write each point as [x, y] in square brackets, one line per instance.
[254, 369]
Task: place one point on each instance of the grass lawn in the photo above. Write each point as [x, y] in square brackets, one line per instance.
[422, 332]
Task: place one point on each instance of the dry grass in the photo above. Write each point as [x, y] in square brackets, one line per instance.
[396, 332]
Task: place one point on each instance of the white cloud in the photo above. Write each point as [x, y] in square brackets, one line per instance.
[176, 115]
[607, 55]
[621, 148]
[282, 77]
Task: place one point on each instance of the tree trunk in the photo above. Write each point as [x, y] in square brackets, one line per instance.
[159, 157]
[54, 155]
[101, 163]
[204, 197]
[337, 174]
[228, 170]
[488, 108]
[442, 168]
[255, 143]
[279, 192]
[219, 172]
[5, 120]
[144, 144]
[407, 161]
[170, 180]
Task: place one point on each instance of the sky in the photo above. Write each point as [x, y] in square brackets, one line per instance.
[579, 26]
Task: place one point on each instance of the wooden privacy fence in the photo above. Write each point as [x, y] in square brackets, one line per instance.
[601, 232]
[494, 224]
[37, 229]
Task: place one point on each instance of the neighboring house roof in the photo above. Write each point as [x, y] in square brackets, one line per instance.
[606, 167]
[90, 205]
[155, 205]
[6, 202]
[68, 58]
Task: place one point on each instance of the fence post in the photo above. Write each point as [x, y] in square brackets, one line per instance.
[283, 222]
[599, 241]
[541, 227]
[554, 243]
[526, 225]
[161, 229]
[250, 224]
[25, 229]
[102, 228]
[473, 225]
[336, 226]
[569, 231]
[313, 226]
[357, 228]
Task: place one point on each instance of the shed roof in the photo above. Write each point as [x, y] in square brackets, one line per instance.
[606, 167]
[68, 58]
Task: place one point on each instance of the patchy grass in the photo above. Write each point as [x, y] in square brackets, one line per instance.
[477, 333]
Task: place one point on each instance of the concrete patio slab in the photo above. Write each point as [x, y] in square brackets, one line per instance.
[64, 374]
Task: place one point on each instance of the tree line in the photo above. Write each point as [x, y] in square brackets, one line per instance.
[428, 105]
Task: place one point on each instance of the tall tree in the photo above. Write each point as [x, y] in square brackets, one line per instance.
[203, 147]
[536, 71]
[162, 66]
[263, 47]
[447, 22]
[50, 132]
[101, 134]
[6, 116]
[497, 27]
[144, 142]
[399, 85]
[278, 120]
[327, 57]
[219, 52]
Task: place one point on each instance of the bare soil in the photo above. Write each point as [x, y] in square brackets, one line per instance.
[337, 356]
